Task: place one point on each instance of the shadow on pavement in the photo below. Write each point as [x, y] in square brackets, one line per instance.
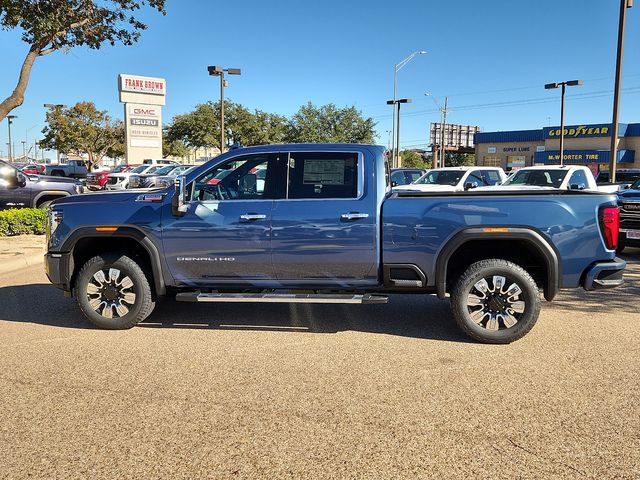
[416, 316]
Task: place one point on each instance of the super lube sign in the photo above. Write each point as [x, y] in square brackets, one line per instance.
[143, 98]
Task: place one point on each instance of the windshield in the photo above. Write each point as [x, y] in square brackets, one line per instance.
[621, 177]
[635, 185]
[139, 169]
[119, 168]
[440, 177]
[538, 178]
[164, 170]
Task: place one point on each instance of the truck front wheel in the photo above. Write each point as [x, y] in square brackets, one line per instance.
[113, 292]
[495, 301]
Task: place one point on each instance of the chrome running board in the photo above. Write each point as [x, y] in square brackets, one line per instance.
[281, 298]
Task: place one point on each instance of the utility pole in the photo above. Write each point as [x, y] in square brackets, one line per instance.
[624, 4]
[24, 151]
[217, 71]
[396, 103]
[444, 126]
[10, 121]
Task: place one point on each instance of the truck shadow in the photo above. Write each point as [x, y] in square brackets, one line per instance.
[415, 316]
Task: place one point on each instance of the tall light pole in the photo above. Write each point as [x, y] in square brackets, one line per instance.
[396, 103]
[396, 69]
[55, 106]
[549, 86]
[24, 151]
[10, 119]
[624, 4]
[217, 71]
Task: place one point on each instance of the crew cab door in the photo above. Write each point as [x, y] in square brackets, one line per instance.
[324, 230]
[225, 235]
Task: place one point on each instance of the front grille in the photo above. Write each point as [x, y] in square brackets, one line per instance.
[630, 208]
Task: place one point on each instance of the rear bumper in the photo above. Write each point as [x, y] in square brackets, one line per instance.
[604, 275]
[56, 266]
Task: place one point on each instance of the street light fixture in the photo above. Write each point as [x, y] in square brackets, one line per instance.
[396, 106]
[55, 106]
[10, 121]
[550, 86]
[624, 4]
[396, 68]
[218, 71]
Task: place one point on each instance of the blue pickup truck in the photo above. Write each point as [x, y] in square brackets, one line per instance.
[320, 223]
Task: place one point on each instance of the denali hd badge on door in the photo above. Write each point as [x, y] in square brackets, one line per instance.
[205, 259]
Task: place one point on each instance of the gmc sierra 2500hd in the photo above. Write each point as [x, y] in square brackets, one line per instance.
[319, 223]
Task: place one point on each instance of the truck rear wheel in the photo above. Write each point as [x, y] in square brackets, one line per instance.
[495, 301]
[113, 292]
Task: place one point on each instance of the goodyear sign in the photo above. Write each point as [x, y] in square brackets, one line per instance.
[578, 131]
[579, 157]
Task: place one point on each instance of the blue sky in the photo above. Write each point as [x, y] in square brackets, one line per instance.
[488, 56]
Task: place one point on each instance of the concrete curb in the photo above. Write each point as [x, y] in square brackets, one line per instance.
[21, 260]
[20, 252]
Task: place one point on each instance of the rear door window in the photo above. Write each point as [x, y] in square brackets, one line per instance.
[313, 175]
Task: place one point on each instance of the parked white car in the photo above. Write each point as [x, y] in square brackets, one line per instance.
[544, 177]
[120, 181]
[455, 179]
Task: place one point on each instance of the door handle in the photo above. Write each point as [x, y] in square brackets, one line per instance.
[248, 217]
[354, 216]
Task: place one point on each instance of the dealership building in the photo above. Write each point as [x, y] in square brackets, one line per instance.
[587, 145]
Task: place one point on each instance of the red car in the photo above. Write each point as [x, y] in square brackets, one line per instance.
[97, 180]
[33, 169]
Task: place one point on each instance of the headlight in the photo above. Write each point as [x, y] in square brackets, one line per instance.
[79, 189]
[54, 218]
[134, 181]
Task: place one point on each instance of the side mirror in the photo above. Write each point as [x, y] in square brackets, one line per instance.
[21, 179]
[470, 185]
[577, 186]
[178, 205]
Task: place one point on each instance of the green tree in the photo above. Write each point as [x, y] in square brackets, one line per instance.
[172, 148]
[330, 124]
[460, 159]
[201, 127]
[413, 159]
[51, 25]
[83, 129]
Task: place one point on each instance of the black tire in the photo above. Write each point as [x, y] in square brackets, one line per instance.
[497, 309]
[114, 297]
[57, 173]
[45, 205]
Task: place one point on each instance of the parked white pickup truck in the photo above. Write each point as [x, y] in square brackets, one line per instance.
[455, 179]
[542, 177]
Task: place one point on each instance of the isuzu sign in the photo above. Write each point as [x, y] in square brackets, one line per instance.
[136, 84]
[144, 122]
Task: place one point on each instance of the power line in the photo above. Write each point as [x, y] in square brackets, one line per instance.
[512, 103]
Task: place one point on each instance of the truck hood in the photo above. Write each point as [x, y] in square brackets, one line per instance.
[425, 188]
[629, 194]
[102, 197]
[51, 179]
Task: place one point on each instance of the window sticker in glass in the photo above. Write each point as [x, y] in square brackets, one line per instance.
[323, 172]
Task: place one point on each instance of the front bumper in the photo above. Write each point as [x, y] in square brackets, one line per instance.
[57, 267]
[604, 275]
[624, 239]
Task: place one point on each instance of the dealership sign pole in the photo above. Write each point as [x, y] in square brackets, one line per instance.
[143, 98]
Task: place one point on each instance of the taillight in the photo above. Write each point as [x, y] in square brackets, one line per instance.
[610, 224]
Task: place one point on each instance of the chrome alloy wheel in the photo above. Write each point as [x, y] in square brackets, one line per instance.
[110, 293]
[494, 307]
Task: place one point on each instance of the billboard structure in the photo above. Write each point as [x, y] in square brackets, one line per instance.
[457, 138]
[143, 98]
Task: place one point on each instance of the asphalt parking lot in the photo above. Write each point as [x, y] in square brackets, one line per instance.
[298, 391]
